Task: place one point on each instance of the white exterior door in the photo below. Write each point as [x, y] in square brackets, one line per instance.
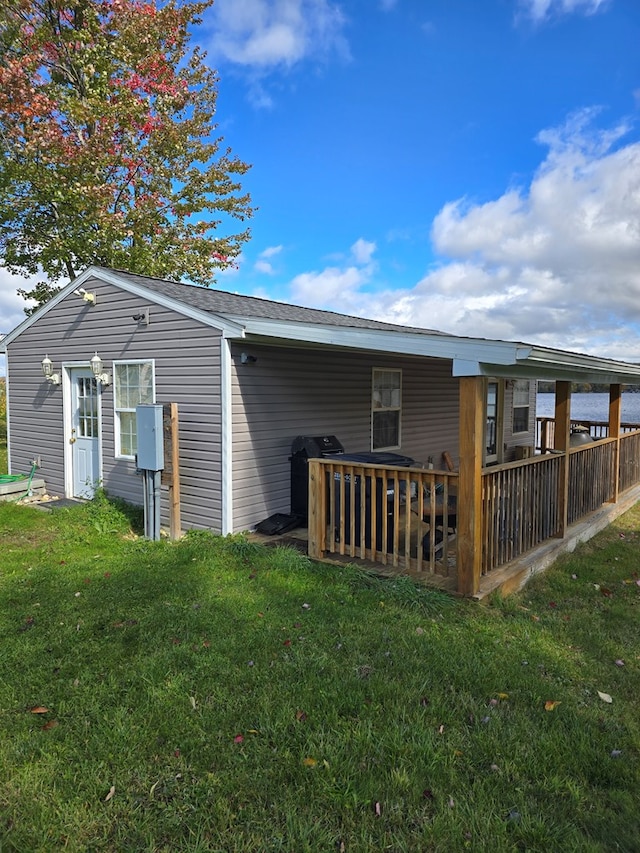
[85, 433]
[493, 426]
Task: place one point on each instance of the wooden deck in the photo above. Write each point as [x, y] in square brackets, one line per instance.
[479, 529]
[509, 578]
[476, 529]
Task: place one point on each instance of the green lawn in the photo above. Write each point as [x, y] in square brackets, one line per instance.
[211, 695]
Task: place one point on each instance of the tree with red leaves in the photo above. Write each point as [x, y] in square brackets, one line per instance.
[108, 146]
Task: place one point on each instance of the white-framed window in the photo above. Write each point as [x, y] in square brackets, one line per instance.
[521, 402]
[386, 408]
[133, 384]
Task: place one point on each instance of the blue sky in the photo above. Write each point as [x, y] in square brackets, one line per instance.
[471, 166]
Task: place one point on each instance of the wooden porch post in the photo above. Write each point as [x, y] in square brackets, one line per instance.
[317, 522]
[469, 555]
[562, 433]
[615, 416]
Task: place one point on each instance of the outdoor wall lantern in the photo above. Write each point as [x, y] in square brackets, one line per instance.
[103, 377]
[90, 298]
[47, 370]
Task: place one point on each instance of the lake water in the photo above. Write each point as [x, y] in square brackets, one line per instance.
[592, 407]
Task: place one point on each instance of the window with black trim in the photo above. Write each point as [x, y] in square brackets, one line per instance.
[521, 402]
[386, 407]
[134, 385]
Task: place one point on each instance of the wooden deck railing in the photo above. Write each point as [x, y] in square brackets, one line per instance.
[404, 518]
[592, 479]
[520, 508]
[545, 430]
[629, 461]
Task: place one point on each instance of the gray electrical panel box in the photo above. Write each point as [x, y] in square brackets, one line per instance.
[150, 438]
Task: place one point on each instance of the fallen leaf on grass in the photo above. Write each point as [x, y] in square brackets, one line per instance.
[39, 709]
[606, 592]
[619, 662]
[616, 753]
[535, 618]
[377, 809]
[309, 762]
[238, 739]
[503, 695]
[550, 705]
[192, 699]
[112, 791]
[301, 716]
[427, 794]
[605, 697]
[50, 725]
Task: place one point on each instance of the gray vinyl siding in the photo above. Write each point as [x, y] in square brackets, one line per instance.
[293, 391]
[187, 371]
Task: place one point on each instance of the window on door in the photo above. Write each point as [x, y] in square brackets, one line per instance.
[134, 385]
[521, 401]
[87, 399]
[386, 406]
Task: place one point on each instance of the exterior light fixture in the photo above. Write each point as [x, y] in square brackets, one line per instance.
[245, 358]
[86, 296]
[47, 371]
[103, 377]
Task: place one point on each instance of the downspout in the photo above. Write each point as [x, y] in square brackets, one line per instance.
[226, 438]
[8, 414]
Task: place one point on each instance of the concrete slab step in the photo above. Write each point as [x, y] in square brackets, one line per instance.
[11, 491]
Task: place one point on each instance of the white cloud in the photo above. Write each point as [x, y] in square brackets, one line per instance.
[337, 284]
[556, 262]
[264, 34]
[388, 5]
[270, 251]
[263, 264]
[11, 305]
[362, 251]
[542, 10]
[331, 286]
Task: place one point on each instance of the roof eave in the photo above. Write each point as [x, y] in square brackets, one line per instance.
[556, 365]
[229, 328]
[424, 344]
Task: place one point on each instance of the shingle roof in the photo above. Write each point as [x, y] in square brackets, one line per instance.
[234, 305]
